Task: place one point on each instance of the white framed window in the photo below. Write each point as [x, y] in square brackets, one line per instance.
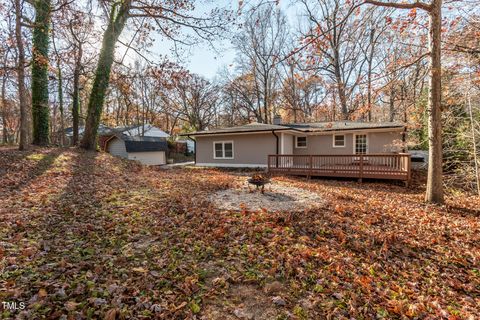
[360, 144]
[223, 150]
[300, 142]
[338, 141]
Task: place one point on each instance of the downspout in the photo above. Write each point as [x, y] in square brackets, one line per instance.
[194, 149]
[276, 157]
[273, 131]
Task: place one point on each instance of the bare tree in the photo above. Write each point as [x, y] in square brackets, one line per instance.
[241, 95]
[261, 46]
[23, 143]
[195, 101]
[302, 92]
[335, 34]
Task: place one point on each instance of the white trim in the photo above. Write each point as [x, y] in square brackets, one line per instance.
[344, 140]
[355, 139]
[223, 150]
[296, 142]
[282, 143]
[231, 165]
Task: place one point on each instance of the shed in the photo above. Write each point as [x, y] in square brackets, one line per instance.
[147, 150]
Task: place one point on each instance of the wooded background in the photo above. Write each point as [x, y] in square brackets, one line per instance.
[64, 63]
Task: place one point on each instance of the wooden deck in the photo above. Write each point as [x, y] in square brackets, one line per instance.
[374, 166]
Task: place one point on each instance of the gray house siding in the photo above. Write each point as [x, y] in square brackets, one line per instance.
[378, 142]
[382, 142]
[287, 143]
[248, 149]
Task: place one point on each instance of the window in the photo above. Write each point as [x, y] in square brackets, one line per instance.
[361, 145]
[300, 142]
[223, 150]
[338, 141]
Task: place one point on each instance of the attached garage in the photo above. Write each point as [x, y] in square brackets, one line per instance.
[146, 150]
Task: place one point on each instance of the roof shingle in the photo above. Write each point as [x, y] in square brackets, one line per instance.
[301, 127]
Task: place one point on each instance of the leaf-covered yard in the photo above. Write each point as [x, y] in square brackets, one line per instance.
[86, 235]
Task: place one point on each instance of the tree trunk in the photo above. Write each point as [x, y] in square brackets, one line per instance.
[102, 75]
[76, 94]
[369, 73]
[294, 94]
[434, 181]
[391, 103]
[4, 110]
[40, 111]
[265, 99]
[60, 101]
[340, 87]
[23, 143]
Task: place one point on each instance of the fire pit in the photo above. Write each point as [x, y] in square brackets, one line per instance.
[259, 181]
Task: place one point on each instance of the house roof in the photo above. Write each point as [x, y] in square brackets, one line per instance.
[301, 127]
[143, 144]
[251, 127]
[343, 125]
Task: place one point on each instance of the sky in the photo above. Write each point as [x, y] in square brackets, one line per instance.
[202, 59]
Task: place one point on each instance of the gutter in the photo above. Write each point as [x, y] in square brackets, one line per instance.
[236, 132]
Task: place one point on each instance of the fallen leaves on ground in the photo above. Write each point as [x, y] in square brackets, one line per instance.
[85, 235]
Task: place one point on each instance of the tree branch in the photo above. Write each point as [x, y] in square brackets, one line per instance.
[416, 5]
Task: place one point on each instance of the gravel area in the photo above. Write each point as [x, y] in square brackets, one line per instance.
[277, 197]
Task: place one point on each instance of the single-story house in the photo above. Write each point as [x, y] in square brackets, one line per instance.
[147, 150]
[340, 149]
[250, 145]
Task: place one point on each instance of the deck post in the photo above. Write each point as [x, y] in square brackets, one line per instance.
[311, 167]
[361, 169]
[409, 169]
[268, 163]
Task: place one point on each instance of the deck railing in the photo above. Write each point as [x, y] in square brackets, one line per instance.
[377, 166]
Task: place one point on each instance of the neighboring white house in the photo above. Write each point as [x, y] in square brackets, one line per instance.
[190, 144]
[147, 130]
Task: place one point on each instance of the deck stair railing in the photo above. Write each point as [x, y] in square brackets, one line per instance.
[378, 166]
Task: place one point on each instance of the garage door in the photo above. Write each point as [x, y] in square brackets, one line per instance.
[148, 158]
